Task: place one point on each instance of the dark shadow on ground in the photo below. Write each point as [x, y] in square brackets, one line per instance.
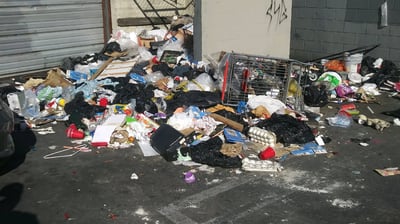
[24, 141]
[10, 196]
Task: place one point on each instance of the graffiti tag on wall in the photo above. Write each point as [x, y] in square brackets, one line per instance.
[276, 11]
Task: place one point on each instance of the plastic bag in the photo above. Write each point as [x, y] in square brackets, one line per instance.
[125, 40]
[153, 77]
[273, 105]
[203, 82]
[315, 96]
[343, 90]
[340, 120]
[170, 45]
[145, 55]
[31, 107]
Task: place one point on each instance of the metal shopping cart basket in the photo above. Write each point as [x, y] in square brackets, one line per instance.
[279, 78]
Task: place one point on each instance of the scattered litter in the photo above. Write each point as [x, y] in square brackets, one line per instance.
[146, 148]
[310, 149]
[52, 147]
[214, 181]
[238, 171]
[340, 120]
[134, 176]
[391, 171]
[261, 165]
[76, 150]
[344, 203]
[186, 163]
[141, 212]
[123, 113]
[396, 122]
[189, 177]
[45, 131]
[370, 110]
[378, 124]
[206, 168]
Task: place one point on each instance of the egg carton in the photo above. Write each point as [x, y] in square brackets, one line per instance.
[261, 165]
[262, 136]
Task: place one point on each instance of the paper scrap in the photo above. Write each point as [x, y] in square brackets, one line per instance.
[388, 171]
[102, 134]
[147, 149]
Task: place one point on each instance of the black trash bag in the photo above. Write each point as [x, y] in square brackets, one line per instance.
[163, 68]
[288, 130]
[111, 47]
[316, 95]
[182, 70]
[78, 108]
[139, 68]
[147, 105]
[367, 65]
[208, 152]
[387, 72]
[67, 64]
[6, 89]
[125, 90]
[201, 99]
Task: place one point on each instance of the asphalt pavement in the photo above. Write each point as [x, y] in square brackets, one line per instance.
[122, 186]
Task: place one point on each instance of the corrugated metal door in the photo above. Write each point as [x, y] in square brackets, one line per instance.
[38, 34]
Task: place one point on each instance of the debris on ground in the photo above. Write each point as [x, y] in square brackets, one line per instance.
[215, 113]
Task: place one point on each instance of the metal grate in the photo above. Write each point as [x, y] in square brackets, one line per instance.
[165, 8]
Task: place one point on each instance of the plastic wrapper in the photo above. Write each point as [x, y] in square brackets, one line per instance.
[203, 82]
[272, 105]
[343, 90]
[171, 45]
[340, 120]
[153, 77]
[145, 55]
[31, 107]
[127, 41]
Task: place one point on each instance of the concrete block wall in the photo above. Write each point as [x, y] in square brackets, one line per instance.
[323, 27]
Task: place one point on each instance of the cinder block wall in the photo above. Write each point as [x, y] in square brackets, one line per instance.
[323, 27]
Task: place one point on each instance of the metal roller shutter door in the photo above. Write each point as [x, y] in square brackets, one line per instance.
[38, 34]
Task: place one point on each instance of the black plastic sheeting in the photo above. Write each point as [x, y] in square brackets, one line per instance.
[200, 99]
[78, 108]
[388, 71]
[316, 95]
[208, 152]
[288, 130]
[126, 91]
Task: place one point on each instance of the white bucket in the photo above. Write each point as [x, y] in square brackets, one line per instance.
[353, 62]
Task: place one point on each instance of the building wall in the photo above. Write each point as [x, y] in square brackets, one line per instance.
[323, 27]
[131, 8]
[260, 27]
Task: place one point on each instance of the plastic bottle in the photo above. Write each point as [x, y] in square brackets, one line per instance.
[31, 107]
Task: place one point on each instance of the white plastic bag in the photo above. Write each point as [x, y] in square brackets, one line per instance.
[203, 82]
[272, 105]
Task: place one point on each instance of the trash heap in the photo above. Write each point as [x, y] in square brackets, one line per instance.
[147, 90]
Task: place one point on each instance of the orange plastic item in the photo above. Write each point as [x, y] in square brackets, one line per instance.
[335, 65]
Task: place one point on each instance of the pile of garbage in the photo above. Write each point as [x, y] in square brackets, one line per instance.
[167, 103]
